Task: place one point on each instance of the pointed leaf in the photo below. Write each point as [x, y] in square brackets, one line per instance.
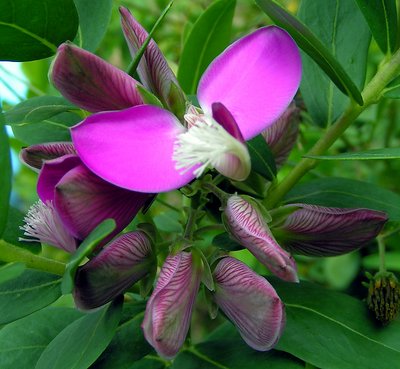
[11, 271]
[5, 174]
[208, 37]
[82, 342]
[313, 47]
[262, 160]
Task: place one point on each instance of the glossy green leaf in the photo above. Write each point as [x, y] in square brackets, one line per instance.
[23, 341]
[33, 29]
[381, 16]
[37, 109]
[94, 17]
[31, 291]
[208, 37]
[311, 45]
[335, 331]
[342, 29]
[346, 193]
[5, 174]
[375, 154]
[85, 249]
[81, 343]
[11, 271]
[262, 159]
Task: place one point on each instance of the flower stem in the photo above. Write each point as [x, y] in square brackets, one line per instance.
[10, 253]
[371, 95]
[382, 250]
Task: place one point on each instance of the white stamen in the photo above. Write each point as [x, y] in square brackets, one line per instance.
[43, 224]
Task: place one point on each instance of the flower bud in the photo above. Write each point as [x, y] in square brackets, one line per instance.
[250, 302]
[119, 265]
[245, 223]
[322, 231]
[169, 308]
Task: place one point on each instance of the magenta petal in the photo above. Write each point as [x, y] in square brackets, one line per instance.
[50, 174]
[222, 115]
[169, 309]
[119, 265]
[132, 148]
[255, 78]
[83, 201]
[90, 82]
[250, 302]
[34, 156]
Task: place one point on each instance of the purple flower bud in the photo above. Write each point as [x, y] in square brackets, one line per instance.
[322, 231]
[245, 223]
[282, 135]
[250, 302]
[119, 265]
[169, 309]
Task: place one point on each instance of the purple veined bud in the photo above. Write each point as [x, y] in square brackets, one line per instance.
[246, 224]
[322, 231]
[122, 262]
[169, 308]
[281, 136]
[250, 302]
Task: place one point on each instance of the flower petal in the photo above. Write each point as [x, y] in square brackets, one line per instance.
[34, 156]
[90, 82]
[83, 201]
[119, 265]
[223, 116]
[169, 309]
[250, 302]
[255, 78]
[51, 173]
[321, 231]
[132, 148]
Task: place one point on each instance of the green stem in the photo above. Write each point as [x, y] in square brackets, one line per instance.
[190, 225]
[10, 253]
[382, 250]
[371, 95]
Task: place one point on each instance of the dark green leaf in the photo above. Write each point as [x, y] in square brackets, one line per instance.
[31, 291]
[11, 271]
[224, 242]
[82, 342]
[85, 248]
[346, 193]
[342, 29]
[5, 174]
[262, 160]
[381, 16]
[208, 37]
[149, 362]
[37, 109]
[375, 154]
[23, 341]
[312, 46]
[334, 331]
[94, 17]
[33, 29]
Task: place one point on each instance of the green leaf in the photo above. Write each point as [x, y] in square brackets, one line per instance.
[375, 154]
[37, 109]
[85, 248]
[94, 17]
[5, 174]
[311, 45]
[334, 331]
[392, 261]
[381, 16]
[262, 159]
[392, 90]
[149, 362]
[33, 29]
[11, 271]
[346, 193]
[224, 242]
[31, 291]
[81, 343]
[343, 30]
[208, 37]
[23, 341]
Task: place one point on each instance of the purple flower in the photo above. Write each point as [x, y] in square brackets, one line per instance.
[246, 224]
[322, 231]
[122, 262]
[77, 199]
[243, 91]
[250, 302]
[169, 309]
